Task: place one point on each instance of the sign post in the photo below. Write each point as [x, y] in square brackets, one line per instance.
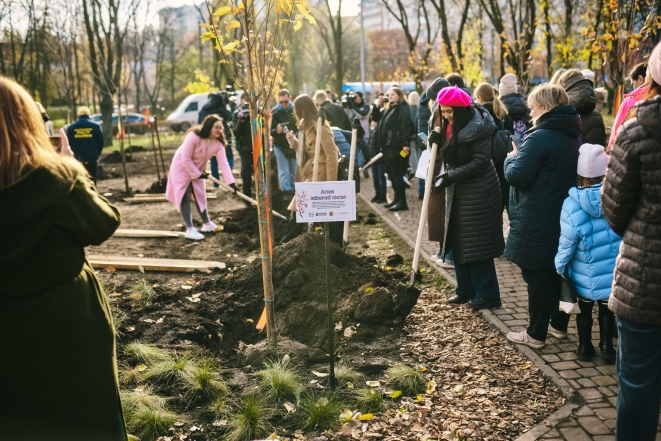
[329, 201]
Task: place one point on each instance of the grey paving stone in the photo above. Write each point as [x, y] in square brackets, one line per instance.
[553, 433]
[583, 411]
[604, 438]
[568, 356]
[569, 374]
[606, 391]
[591, 394]
[586, 382]
[606, 413]
[588, 372]
[607, 369]
[563, 365]
[575, 434]
[593, 425]
[551, 358]
[604, 380]
[600, 405]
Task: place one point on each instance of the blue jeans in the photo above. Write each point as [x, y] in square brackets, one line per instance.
[286, 170]
[639, 372]
[421, 187]
[379, 177]
[477, 279]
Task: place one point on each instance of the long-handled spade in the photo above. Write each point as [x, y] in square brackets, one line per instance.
[352, 160]
[423, 211]
[241, 195]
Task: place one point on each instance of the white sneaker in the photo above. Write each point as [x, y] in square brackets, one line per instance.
[442, 264]
[209, 227]
[523, 338]
[194, 234]
[557, 334]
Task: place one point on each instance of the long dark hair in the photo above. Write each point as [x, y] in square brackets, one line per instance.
[461, 116]
[204, 130]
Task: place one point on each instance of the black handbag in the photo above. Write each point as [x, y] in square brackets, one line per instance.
[568, 297]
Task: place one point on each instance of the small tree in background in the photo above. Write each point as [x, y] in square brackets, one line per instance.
[253, 60]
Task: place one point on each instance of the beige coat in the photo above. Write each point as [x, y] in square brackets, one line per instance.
[328, 154]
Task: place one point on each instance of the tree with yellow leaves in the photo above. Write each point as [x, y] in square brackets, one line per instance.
[253, 62]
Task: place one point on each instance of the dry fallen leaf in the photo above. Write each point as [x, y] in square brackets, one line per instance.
[186, 287]
[290, 407]
[373, 383]
[320, 374]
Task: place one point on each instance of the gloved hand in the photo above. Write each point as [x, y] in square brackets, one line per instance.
[204, 175]
[234, 187]
[444, 181]
[360, 132]
[435, 138]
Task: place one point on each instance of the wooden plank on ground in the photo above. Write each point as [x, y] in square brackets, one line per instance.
[150, 264]
[138, 199]
[122, 232]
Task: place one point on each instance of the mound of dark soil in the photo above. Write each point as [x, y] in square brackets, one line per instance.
[115, 158]
[158, 186]
[107, 173]
[369, 306]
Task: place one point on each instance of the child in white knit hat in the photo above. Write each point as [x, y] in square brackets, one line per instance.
[587, 251]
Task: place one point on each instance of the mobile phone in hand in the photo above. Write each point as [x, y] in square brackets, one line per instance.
[422, 137]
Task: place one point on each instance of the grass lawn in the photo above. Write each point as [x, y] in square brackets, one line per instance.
[168, 141]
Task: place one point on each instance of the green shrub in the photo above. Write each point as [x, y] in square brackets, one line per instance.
[143, 293]
[280, 382]
[250, 421]
[345, 374]
[370, 400]
[322, 411]
[174, 369]
[203, 379]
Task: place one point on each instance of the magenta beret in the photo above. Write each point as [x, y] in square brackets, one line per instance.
[454, 97]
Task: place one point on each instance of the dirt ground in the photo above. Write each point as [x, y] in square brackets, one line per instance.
[501, 396]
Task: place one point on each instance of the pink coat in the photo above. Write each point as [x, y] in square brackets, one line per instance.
[628, 102]
[188, 163]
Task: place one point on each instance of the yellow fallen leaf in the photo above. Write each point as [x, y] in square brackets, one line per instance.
[388, 268]
[370, 289]
[142, 367]
[528, 365]
[111, 269]
[346, 416]
[459, 388]
[483, 378]
[423, 369]
[431, 387]
[419, 398]
[396, 394]
[250, 320]
[134, 296]
[366, 417]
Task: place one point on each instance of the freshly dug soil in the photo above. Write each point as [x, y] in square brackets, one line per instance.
[366, 298]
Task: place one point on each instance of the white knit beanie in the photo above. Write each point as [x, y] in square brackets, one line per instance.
[654, 64]
[592, 161]
[507, 85]
[587, 73]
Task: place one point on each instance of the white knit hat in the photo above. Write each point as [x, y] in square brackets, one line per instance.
[507, 85]
[592, 161]
[587, 73]
[654, 64]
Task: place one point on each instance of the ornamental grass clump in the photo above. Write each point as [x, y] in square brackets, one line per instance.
[174, 369]
[251, 421]
[146, 414]
[370, 400]
[322, 411]
[202, 379]
[280, 382]
[144, 353]
[407, 379]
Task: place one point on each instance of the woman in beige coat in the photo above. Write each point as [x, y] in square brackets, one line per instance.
[306, 112]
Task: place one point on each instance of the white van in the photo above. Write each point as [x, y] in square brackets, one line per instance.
[186, 114]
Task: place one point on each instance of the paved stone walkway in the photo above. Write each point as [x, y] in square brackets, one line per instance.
[590, 387]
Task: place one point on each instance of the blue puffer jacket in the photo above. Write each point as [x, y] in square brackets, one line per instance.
[587, 244]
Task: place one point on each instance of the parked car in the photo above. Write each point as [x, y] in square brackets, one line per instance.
[187, 112]
[135, 122]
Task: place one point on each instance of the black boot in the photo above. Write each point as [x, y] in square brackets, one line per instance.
[585, 347]
[392, 204]
[400, 206]
[606, 325]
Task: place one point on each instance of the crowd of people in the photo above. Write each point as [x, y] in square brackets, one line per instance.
[584, 212]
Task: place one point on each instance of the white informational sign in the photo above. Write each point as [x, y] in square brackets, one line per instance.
[423, 165]
[330, 201]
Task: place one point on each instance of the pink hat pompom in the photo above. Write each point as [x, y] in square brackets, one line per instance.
[454, 97]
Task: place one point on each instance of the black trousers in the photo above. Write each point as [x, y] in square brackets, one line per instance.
[246, 172]
[586, 309]
[544, 302]
[396, 169]
[91, 167]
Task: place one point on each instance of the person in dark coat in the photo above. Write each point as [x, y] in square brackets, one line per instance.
[335, 113]
[86, 141]
[541, 174]
[632, 206]
[473, 213]
[218, 106]
[517, 109]
[485, 94]
[283, 121]
[242, 133]
[581, 95]
[55, 321]
[393, 137]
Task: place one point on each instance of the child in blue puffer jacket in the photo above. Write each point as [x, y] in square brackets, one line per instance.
[587, 251]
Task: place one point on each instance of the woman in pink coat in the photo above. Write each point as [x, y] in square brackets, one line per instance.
[187, 172]
[637, 76]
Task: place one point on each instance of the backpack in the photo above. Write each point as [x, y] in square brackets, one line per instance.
[520, 128]
[501, 144]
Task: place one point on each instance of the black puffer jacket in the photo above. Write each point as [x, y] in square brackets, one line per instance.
[424, 113]
[473, 213]
[394, 130]
[631, 201]
[507, 124]
[581, 95]
[540, 177]
[517, 108]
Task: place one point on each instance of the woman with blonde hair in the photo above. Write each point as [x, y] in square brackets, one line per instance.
[393, 138]
[485, 94]
[540, 173]
[54, 316]
[307, 113]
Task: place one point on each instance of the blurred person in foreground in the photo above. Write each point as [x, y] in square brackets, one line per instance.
[86, 141]
[632, 206]
[55, 322]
